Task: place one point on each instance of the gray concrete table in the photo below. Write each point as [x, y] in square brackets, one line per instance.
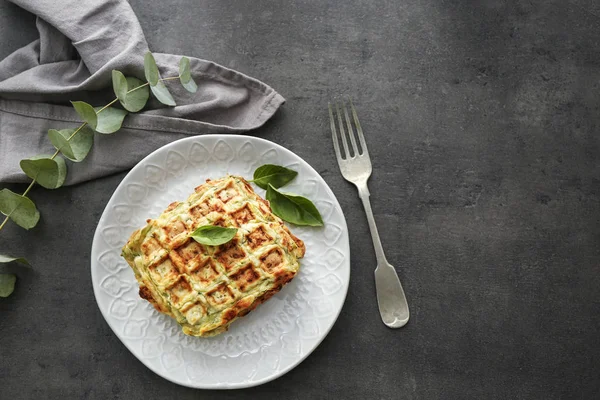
[483, 122]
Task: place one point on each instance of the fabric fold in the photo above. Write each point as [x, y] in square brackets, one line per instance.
[80, 43]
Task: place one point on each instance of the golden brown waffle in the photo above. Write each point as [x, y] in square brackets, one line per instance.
[205, 288]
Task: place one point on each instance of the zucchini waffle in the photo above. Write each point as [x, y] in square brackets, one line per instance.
[205, 288]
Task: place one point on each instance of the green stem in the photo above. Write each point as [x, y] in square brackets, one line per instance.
[28, 188]
[4, 222]
[77, 130]
[139, 87]
[106, 106]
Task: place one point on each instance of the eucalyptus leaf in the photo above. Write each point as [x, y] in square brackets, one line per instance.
[78, 147]
[119, 84]
[136, 99]
[49, 173]
[60, 140]
[110, 119]
[184, 70]
[4, 259]
[86, 112]
[7, 284]
[190, 86]
[81, 143]
[19, 208]
[162, 94]
[151, 69]
[185, 77]
[275, 175]
[213, 235]
[295, 209]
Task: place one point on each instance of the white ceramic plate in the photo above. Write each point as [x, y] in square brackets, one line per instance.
[270, 340]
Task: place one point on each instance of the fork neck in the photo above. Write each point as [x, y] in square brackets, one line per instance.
[363, 193]
[363, 189]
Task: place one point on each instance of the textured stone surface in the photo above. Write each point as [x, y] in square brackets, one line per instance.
[482, 119]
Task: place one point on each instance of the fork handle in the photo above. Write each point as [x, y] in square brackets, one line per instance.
[391, 300]
[363, 193]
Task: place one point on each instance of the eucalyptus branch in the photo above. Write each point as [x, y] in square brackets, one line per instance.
[74, 144]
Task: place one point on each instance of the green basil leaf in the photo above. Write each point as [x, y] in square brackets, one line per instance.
[78, 147]
[4, 259]
[213, 235]
[7, 284]
[185, 77]
[162, 94]
[136, 99]
[150, 69]
[86, 112]
[297, 210]
[49, 173]
[110, 119]
[19, 208]
[275, 175]
[119, 84]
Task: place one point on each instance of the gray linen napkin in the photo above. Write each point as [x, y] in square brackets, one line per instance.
[81, 42]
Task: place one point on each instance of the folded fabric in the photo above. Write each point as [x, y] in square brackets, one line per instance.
[81, 42]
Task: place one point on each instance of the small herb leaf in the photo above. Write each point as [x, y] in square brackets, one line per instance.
[163, 95]
[19, 208]
[297, 210]
[7, 284]
[213, 235]
[150, 69]
[110, 119]
[4, 259]
[185, 77]
[59, 139]
[275, 175]
[75, 149]
[184, 70]
[50, 173]
[119, 84]
[135, 100]
[86, 112]
[190, 86]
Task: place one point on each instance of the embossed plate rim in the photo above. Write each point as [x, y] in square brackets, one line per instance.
[344, 248]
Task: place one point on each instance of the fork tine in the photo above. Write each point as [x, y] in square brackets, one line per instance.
[350, 130]
[361, 137]
[336, 144]
[342, 132]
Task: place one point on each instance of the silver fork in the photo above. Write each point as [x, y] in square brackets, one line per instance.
[356, 168]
